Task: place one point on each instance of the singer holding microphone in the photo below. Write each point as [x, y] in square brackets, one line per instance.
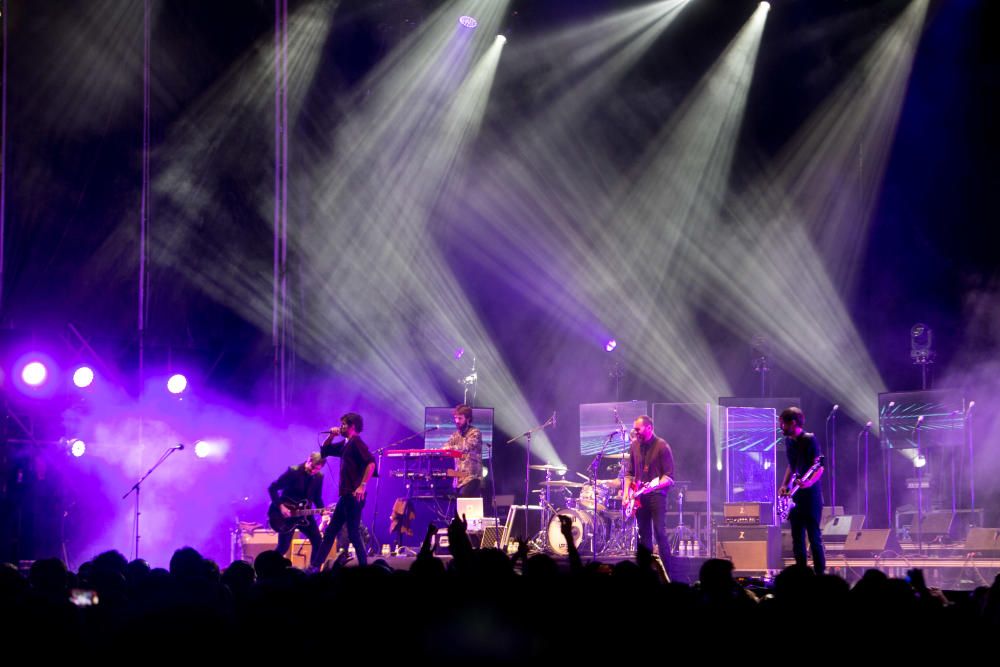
[468, 440]
[357, 465]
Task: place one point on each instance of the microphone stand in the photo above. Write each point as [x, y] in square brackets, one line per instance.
[378, 475]
[527, 465]
[920, 499]
[135, 488]
[832, 426]
[866, 432]
[595, 466]
[493, 492]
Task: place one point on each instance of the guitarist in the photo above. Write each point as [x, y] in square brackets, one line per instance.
[803, 450]
[651, 462]
[468, 440]
[300, 483]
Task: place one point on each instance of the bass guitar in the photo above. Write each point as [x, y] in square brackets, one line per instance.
[785, 503]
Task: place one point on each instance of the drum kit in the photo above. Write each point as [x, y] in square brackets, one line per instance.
[595, 510]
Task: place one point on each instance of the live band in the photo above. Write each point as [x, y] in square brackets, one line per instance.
[647, 476]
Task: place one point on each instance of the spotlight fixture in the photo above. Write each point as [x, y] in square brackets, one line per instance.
[34, 373]
[177, 384]
[83, 377]
[610, 345]
[77, 447]
[921, 339]
[468, 22]
[501, 39]
[919, 461]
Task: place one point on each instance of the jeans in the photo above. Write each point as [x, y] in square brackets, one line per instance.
[348, 513]
[652, 520]
[804, 519]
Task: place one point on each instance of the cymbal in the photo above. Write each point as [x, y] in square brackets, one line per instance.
[623, 455]
[549, 466]
[564, 484]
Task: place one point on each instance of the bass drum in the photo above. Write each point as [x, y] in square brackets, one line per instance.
[583, 527]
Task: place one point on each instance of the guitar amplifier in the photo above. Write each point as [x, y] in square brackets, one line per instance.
[253, 543]
[753, 549]
[748, 514]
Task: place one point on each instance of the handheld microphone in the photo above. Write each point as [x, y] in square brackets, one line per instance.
[178, 446]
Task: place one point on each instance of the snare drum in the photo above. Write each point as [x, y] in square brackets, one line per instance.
[587, 497]
[583, 527]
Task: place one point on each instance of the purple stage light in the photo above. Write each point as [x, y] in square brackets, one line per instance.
[177, 384]
[459, 352]
[202, 449]
[77, 447]
[83, 377]
[34, 373]
[610, 345]
[468, 22]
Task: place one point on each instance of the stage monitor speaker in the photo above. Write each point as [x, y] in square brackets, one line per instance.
[830, 511]
[964, 520]
[936, 524]
[837, 528]
[750, 548]
[983, 541]
[870, 543]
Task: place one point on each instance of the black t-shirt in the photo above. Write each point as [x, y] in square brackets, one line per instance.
[298, 485]
[803, 451]
[354, 458]
[649, 460]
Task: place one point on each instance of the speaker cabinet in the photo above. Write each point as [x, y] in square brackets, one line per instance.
[870, 543]
[983, 541]
[837, 528]
[256, 542]
[936, 524]
[751, 548]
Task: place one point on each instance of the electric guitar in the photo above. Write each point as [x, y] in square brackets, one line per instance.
[297, 516]
[785, 503]
[631, 498]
